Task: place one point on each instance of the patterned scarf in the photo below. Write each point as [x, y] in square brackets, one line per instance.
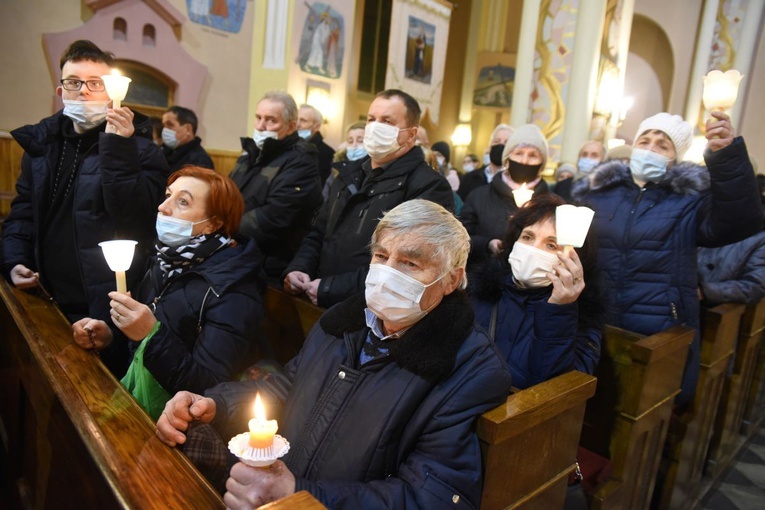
[174, 260]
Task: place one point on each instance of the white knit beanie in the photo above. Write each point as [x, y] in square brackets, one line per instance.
[679, 131]
[527, 134]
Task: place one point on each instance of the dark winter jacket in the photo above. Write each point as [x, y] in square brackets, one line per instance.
[470, 181]
[647, 237]
[337, 247]
[281, 190]
[325, 156]
[734, 273]
[191, 153]
[209, 316]
[398, 432]
[119, 184]
[485, 215]
[539, 340]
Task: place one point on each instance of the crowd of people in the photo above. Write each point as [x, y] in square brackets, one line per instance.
[441, 289]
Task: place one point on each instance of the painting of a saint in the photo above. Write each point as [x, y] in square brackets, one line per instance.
[419, 50]
[322, 41]
[224, 15]
[494, 86]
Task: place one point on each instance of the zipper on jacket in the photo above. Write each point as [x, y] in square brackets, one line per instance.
[362, 218]
[673, 309]
[637, 200]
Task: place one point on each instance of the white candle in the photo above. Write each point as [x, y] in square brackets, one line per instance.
[522, 195]
[116, 86]
[119, 256]
[262, 431]
[721, 89]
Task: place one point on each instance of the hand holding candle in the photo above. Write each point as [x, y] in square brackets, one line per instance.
[571, 225]
[119, 256]
[261, 446]
[116, 86]
[721, 89]
[522, 195]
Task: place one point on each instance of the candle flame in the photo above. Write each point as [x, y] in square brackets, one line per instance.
[523, 186]
[260, 411]
[116, 72]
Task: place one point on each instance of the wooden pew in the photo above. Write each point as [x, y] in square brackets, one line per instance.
[72, 436]
[10, 167]
[529, 443]
[690, 432]
[754, 414]
[726, 441]
[302, 500]
[627, 419]
[224, 160]
[286, 323]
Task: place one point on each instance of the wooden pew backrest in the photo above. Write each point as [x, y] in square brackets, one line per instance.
[529, 443]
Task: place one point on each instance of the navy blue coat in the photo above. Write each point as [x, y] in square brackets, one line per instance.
[398, 432]
[647, 237]
[734, 273]
[209, 316]
[118, 187]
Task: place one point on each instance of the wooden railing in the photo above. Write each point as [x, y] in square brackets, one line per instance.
[10, 167]
[73, 437]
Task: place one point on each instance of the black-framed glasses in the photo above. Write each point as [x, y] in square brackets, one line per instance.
[74, 85]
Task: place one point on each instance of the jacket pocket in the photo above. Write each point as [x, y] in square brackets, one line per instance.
[444, 493]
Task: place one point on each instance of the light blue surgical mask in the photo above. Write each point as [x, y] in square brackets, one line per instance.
[168, 138]
[647, 165]
[486, 159]
[86, 114]
[355, 153]
[305, 134]
[260, 137]
[586, 165]
[175, 231]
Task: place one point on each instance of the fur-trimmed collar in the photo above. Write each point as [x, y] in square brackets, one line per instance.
[683, 178]
[429, 348]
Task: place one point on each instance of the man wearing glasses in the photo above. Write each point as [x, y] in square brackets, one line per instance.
[89, 173]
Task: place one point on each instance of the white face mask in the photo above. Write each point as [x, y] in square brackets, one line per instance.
[260, 137]
[468, 168]
[169, 138]
[175, 231]
[86, 114]
[380, 139]
[305, 134]
[394, 296]
[530, 264]
[647, 165]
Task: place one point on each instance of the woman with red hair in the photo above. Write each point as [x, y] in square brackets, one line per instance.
[193, 317]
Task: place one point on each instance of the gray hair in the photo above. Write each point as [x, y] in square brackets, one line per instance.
[500, 127]
[290, 112]
[317, 116]
[437, 227]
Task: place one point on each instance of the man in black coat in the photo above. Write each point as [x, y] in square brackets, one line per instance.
[279, 180]
[333, 260]
[482, 176]
[89, 173]
[181, 144]
[308, 125]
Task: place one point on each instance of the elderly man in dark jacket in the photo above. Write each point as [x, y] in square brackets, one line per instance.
[380, 404]
[279, 180]
[734, 273]
[89, 173]
[333, 260]
[650, 217]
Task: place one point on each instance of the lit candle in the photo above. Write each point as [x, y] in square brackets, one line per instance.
[522, 195]
[119, 256]
[262, 431]
[116, 86]
[720, 89]
[571, 225]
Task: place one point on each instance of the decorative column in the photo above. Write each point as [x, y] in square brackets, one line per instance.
[701, 60]
[524, 71]
[747, 47]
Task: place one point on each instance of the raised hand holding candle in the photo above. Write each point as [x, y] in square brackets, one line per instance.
[119, 256]
[571, 225]
[522, 195]
[720, 89]
[262, 431]
[116, 87]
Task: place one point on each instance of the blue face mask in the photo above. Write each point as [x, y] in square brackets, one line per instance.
[647, 166]
[168, 138]
[260, 137]
[355, 153]
[174, 231]
[305, 134]
[486, 159]
[586, 165]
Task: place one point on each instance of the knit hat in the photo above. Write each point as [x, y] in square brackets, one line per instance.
[443, 148]
[565, 167]
[527, 134]
[679, 131]
[620, 152]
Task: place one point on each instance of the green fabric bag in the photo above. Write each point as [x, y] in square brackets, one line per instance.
[151, 396]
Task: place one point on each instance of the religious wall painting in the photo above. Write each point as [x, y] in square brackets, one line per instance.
[420, 39]
[495, 75]
[226, 15]
[322, 41]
